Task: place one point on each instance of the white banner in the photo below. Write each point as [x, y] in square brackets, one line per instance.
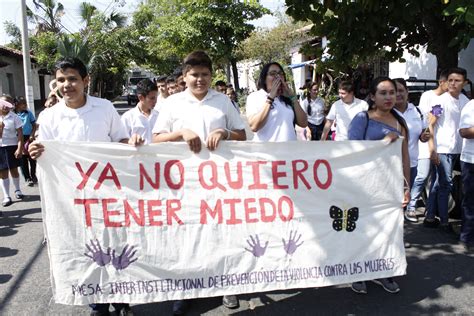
[158, 222]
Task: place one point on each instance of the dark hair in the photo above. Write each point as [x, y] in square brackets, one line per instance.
[346, 85]
[443, 75]
[73, 63]
[373, 90]
[161, 79]
[197, 58]
[308, 96]
[262, 83]
[21, 100]
[220, 83]
[458, 71]
[171, 79]
[401, 81]
[145, 86]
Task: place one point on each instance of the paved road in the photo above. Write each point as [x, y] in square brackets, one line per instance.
[440, 279]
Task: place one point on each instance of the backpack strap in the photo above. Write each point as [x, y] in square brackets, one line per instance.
[367, 123]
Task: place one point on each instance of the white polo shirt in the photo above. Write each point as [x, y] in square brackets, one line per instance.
[317, 110]
[448, 140]
[279, 124]
[137, 123]
[415, 124]
[96, 121]
[11, 122]
[467, 121]
[183, 110]
[343, 113]
[427, 101]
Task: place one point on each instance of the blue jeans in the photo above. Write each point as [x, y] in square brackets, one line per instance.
[441, 186]
[467, 228]
[417, 186]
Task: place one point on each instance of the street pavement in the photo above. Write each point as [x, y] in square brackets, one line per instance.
[439, 281]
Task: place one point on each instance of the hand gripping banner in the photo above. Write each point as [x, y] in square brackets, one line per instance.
[158, 222]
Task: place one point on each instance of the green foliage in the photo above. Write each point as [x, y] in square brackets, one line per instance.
[463, 13]
[172, 29]
[362, 30]
[274, 44]
[44, 47]
[14, 32]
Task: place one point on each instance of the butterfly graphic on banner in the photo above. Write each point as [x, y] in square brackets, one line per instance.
[344, 219]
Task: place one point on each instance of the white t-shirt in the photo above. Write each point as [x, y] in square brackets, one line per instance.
[279, 125]
[11, 122]
[96, 121]
[415, 124]
[427, 100]
[183, 110]
[343, 114]
[448, 140]
[467, 121]
[137, 123]
[317, 110]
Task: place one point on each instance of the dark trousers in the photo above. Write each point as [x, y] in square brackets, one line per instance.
[467, 228]
[104, 308]
[316, 130]
[28, 165]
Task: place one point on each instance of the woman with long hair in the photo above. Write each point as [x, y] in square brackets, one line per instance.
[417, 128]
[381, 121]
[273, 110]
[313, 106]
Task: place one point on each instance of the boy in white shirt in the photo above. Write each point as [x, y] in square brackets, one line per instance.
[81, 117]
[445, 147]
[199, 115]
[141, 119]
[343, 111]
[466, 130]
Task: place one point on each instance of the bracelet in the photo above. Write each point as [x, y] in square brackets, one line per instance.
[293, 97]
[269, 98]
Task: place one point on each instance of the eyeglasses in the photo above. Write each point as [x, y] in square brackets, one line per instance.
[276, 73]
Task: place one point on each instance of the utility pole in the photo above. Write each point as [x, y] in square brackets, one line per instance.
[26, 59]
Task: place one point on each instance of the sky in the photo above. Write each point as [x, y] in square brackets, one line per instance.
[10, 10]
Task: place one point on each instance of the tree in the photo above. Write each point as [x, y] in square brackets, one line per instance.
[360, 30]
[14, 32]
[49, 17]
[179, 27]
[273, 44]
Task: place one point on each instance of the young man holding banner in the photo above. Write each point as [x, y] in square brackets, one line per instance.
[81, 117]
[199, 115]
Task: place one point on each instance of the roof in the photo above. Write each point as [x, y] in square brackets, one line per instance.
[11, 52]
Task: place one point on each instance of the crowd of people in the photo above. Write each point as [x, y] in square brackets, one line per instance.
[185, 108]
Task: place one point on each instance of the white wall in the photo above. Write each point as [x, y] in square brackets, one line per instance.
[299, 74]
[246, 72]
[424, 67]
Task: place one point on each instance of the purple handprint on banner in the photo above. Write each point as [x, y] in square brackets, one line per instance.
[292, 244]
[97, 254]
[125, 259]
[255, 248]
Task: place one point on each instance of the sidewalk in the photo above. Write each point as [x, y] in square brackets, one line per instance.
[440, 279]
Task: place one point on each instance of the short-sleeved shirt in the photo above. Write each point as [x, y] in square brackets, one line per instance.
[415, 123]
[96, 121]
[11, 122]
[427, 101]
[467, 121]
[448, 140]
[279, 124]
[317, 110]
[137, 123]
[343, 114]
[184, 110]
[364, 128]
[28, 120]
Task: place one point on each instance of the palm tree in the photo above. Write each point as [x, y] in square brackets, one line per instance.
[49, 18]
